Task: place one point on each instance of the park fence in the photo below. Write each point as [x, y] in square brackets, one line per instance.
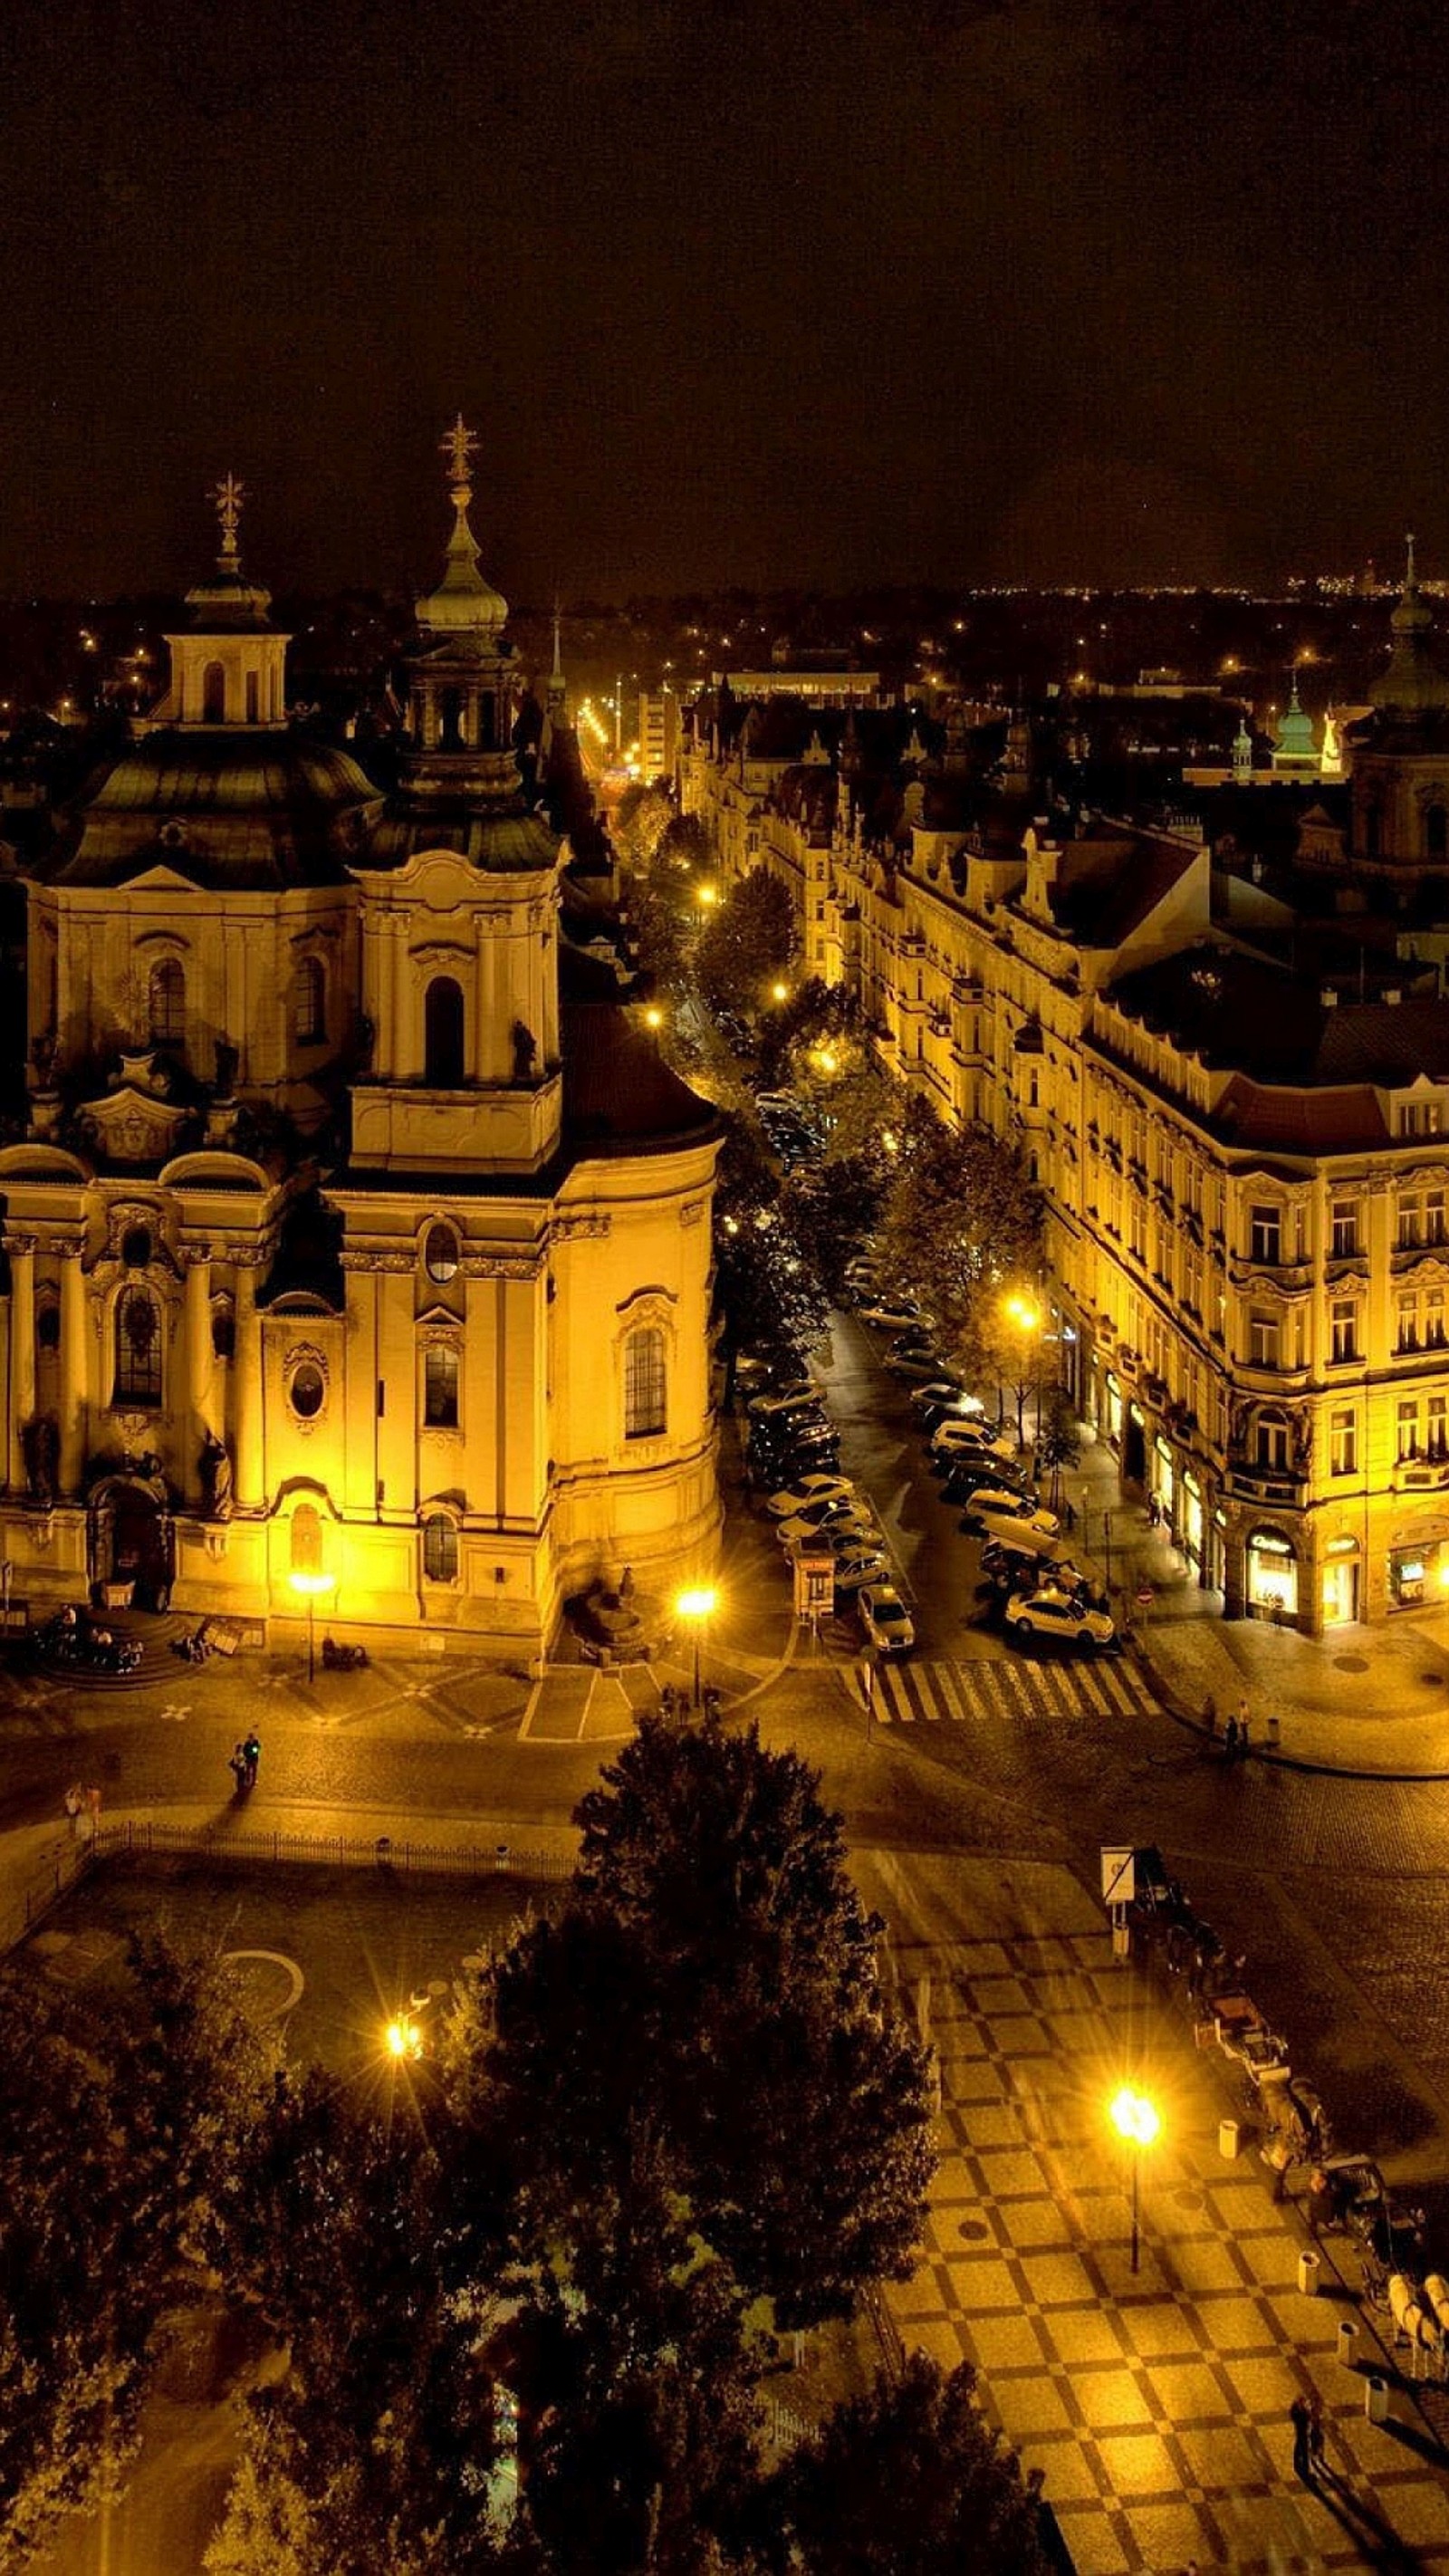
[383, 1854]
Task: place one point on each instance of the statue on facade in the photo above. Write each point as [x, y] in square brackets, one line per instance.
[40, 1447]
[228, 1057]
[1302, 1440]
[216, 1478]
[525, 1052]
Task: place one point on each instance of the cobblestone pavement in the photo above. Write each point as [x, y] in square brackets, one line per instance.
[1155, 2401]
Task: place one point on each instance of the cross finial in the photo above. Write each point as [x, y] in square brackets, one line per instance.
[460, 446]
[228, 496]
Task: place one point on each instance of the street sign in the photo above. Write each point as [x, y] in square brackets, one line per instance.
[1119, 1874]
[814, 1584]
[1145, 1596]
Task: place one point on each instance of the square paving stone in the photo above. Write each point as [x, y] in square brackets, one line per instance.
[1070, 2471]
[1264, 2388]
[953, 2182]
[1034, 2223]
[1159, 2331]
[943, 2338]
[1239, 2209]
[1081, 2336]
[1188, 2392]
[1272, 2260]
[992, 1998]
[1030, 2405]
[1021, 2035]
[1094, 2545]
[926, 2293]
[1238, 2325]
[1225, 2460]
[981, 2284]
[1416, 2508]
[1113, 2400]
[1057, 2280]
[1012, 2173]
[1004, 2343]
[1311, 2324]
[996, 2124]
[1205, 2263]
[1172, 2535]
[1139, 2464]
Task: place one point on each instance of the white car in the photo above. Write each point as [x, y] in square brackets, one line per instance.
[886, 1620]
[778, 1408]
[1049, 1613]
[810, 1489]
[892, 1314]
[865, 1565]
[837, 1529]
[1001, 1513]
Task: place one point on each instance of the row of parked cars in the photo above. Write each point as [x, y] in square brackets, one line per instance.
[792, 1132]
[1042, 1594]
[792, 1452]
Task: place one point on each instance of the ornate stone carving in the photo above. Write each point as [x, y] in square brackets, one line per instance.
[567, 1229]
[691, 1212]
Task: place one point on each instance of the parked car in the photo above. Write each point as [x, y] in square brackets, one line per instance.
[913, 1366]
[805, 1397]
[1049, 1612]
[844, 1533]
[945, 1393]
[996, 1511]
[916, 1337]
[779, 1452]
[956, 1438]
[806, 1490]
[1027, 1558]
[970, 1476]
[886, 1620]
[863, 1565]
[892, 1314]
[848, 1512]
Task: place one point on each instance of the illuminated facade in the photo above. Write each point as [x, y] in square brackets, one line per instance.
[1240, 1124]
[358, 1233]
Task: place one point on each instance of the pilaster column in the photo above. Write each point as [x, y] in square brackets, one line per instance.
[250, 1487]
[22, 1351]
[198, 1364]
[73, 1388]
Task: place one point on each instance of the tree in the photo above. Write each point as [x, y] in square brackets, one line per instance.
[1058, 1441]
[815, 1012]
[121, 2135]
[961, 1224]
[642, 817]
[830, 1210]
[748, 940]
[911, 2476]
[768, 1292]
[657, 919]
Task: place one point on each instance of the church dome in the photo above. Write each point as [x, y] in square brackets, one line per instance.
[228, 808]
[1413, 684]
[464, 603]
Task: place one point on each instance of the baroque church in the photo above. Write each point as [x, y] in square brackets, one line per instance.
[359, 1233]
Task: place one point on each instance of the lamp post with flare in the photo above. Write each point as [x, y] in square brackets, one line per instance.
[308, 1588]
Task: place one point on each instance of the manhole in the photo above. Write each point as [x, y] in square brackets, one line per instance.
[1189, 2199]
[1351, 1663]
[972, 2230]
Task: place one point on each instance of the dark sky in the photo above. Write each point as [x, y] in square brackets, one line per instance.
[1070, 289]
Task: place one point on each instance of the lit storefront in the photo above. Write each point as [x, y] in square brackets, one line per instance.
[1418, 1571]
[1272, 1575]
[1192, 1521]
[1340, 1583]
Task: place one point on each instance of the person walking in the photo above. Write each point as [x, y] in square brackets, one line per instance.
[251, 1755]
[1298, 2417]
[1230, 1738]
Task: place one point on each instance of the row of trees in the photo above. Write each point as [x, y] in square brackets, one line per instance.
[524, 2300]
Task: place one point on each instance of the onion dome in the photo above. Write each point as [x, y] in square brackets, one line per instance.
[463, 603]
[1413, 682]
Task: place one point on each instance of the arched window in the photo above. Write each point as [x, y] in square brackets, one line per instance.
[440, 1387]
[138, 1348]
[450, 720]
[306, 1540]
[213, 694]
[309, 1002]
[645, 1385]
[440, 1548]
[1436, 833]
[440, 1254]
[253, 697]
[47, 1326]
[443, 1034]
[168, 1003]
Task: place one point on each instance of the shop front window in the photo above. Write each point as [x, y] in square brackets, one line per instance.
[1272, 1575]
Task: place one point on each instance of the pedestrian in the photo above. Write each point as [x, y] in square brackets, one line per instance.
[1319, 2206]
[1230, 1738]
[236, 1763]
[74, 1800]
[1316, 2460]
[1298, 2417]
[252, 1754]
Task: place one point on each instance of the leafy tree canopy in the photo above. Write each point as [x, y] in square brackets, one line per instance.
[962, 1229]
[746, 943]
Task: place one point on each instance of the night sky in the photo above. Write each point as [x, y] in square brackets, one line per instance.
[1070, 290]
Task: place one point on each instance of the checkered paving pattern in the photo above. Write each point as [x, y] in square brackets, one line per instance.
[1157, 2405]
[971, 1693]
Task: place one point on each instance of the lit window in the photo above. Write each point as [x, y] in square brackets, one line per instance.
[1343, 1440]
[1344, 1221]
[138, 1348]
[440, 1548]
[1343, 1330]
[440, 1254]
[440, 1388]
[1272, 1441]
[645, 1390]
[1263, 1340]
[1438, 1440]
[1408, 1329]
[1408, 1430]
[1264, 1234]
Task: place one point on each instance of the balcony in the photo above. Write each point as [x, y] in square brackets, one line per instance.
[1418, 1475]
[1293, 1277]
[1267, 1485]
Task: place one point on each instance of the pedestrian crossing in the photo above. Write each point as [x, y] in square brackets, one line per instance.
[963, 1694]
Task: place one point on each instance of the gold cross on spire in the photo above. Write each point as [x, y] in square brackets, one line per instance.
[228, 497]
[460, 446]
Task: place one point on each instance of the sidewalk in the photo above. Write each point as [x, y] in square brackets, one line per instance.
[1366, 1702]
[1155, 2403]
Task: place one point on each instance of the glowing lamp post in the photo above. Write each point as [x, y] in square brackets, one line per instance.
[707, 896]
[1135, 2118]
[308, 1588]
[1026, 1319]
[698, 1607]
[779, 992]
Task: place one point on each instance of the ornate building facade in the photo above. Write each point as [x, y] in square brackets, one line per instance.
[359, 1233]
[1235, 1099]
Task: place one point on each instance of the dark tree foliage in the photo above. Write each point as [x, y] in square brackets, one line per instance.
[768, 1290]
[909, 2478]
[747, 941]
[814, 1011]
[658, 921]
[962, 1226]
[830, 1211]
[121, 2134]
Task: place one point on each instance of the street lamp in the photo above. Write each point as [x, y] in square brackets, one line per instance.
[1136, 2119]
[1026, 1317]
[707, 896]
[779, 992]
[698, 1606]
[307, 1587]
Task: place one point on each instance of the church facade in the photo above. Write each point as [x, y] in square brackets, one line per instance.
[358, 1247]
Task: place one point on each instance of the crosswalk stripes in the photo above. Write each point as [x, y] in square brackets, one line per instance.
[965, 1694]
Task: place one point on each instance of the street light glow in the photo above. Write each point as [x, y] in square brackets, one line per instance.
[779, 992]
[311, 1585]
[1135, 2117]
[708, 895]
[1024, 1314]
[699, 1603]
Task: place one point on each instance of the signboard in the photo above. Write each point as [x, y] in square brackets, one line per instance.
[814, 1584]
[1119, 1874]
